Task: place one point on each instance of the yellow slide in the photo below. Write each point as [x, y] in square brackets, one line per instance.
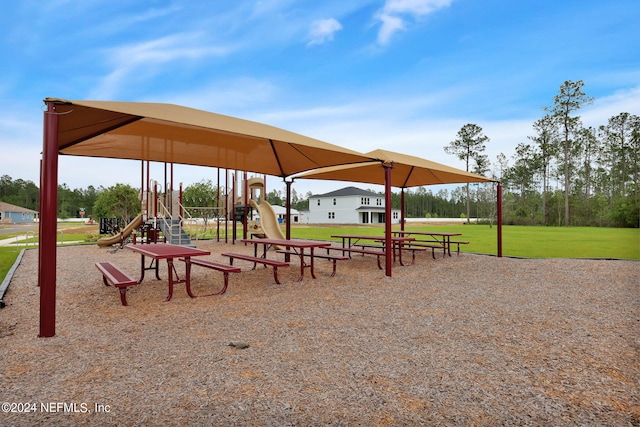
[112, 240]
[268, 220]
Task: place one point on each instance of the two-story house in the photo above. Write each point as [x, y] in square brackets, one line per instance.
[349, 205]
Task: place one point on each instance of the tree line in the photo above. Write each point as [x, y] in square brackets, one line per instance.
[568, 174]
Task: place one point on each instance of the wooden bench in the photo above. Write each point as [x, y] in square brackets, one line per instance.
[255, 260]
[458, 243]
[225, 269]
[363, 252]
[432, 246]
[405, 247]
[328, 256]
[118, 278]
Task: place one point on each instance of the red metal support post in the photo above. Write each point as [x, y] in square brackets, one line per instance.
[288, 209]
[387, 220]
[48, 223]
[245, 198]
[402, 209]
[499, 222]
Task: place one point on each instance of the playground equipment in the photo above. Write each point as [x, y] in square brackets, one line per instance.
[163, 214]
[268, 220]
[118, 238]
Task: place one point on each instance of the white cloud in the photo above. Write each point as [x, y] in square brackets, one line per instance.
[134, 60]
[395, 12]
[323, 30]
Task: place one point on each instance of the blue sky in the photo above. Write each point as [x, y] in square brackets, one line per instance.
[401, 75]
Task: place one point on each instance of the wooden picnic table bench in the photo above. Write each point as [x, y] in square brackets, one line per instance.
[404, 247]
[433, 246]
[352, 249]
[224, 268]
[327, 256]
[117, 278]
[459, 243]
[257, 260]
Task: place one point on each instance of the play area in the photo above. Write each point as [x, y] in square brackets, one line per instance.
[240, 204]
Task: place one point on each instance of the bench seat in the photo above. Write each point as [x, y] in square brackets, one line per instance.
[117, 278]
[256, 260]
[426, 245]
[405, 247]
[459, 243]
[363, 252]
[225, 269]
[330, 257]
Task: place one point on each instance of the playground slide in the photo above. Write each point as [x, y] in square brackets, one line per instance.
[268, 220]
[112, 240]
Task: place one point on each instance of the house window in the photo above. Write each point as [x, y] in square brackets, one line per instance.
[364, 200]
[332, 215]
[379, 202]
[395, 215]
[318, 202]
[334, 202]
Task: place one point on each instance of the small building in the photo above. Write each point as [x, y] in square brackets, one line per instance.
[349, 205]
[12, 214]
[281, 214]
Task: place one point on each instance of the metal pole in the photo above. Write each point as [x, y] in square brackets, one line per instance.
[402, 209]
[288, 209]
[226, 204]
[218, 207]
[388, 248]
[499, 219]
[245, 221]
[287, 213]
[233, 206]
[48, 223]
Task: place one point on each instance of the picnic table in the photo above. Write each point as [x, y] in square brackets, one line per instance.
[297, 245]
[398, 243]
[158, 251]
[441, 238]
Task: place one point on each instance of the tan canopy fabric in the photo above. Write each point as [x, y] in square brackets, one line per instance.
[408, 171]
[175, 134]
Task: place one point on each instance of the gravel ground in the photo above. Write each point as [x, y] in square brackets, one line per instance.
[466, 340]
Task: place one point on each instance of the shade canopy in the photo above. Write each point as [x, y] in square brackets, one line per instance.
[175, 134]
[407, 171]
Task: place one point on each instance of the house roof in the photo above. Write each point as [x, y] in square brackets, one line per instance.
[8, 207]
[281, 210]
[349, 191]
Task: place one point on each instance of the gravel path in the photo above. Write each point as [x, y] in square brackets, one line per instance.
[466, 340]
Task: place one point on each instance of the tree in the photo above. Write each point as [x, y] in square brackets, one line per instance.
[274, 198]
[469, 147]
[201, 199]
[120, 201]
[522, 175]
[570, 98]
[547, 140]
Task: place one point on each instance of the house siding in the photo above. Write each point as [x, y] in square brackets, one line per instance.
[15, 214]
[360, 208]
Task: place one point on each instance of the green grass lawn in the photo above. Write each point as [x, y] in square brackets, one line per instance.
[520, 241]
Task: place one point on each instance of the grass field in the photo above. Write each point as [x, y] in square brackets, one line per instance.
[519, 241]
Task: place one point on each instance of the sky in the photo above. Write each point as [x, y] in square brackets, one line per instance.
[400, 75]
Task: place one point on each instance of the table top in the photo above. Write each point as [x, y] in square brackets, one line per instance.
[294, 243]
[166, 250]
[426, 233]
[358, 236]
[395, 239]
